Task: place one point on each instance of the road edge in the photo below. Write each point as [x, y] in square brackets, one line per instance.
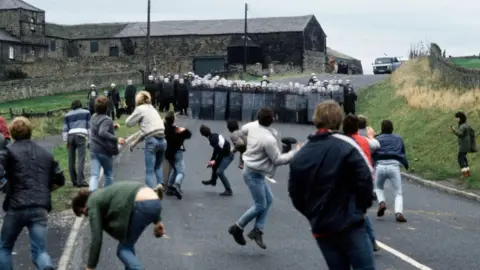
[64, 261]
[440, 187]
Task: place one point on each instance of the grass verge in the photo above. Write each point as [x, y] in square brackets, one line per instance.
[422, 112]
[467, 62]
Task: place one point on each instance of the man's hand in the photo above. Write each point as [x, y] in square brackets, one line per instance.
[116, 126]
[211, 163]
[121, 141]
[68, 145]
[180, 129]
[158, 230]
[89, 268]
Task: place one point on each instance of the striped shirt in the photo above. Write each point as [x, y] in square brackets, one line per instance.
[77, 122]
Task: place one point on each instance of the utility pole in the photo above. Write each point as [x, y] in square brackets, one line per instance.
[147, 53]
[245, 38]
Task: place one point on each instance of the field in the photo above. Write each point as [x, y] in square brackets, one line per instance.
[422, 112]
[467, 63]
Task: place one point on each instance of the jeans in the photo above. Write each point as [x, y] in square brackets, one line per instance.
[219, 171]
[144, 214]
[35, 219]
[76, 144]
[178, 172]
[392, 173]
[350, 248]
[262, 199]
[154, 151]
[97, 162]
[462, 160]
[369, 229]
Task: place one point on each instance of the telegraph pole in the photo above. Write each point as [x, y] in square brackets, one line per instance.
[245, 40]
[147, 53]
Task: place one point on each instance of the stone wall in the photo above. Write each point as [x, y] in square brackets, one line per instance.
[314, 61]
[30, 88]
[452, 74]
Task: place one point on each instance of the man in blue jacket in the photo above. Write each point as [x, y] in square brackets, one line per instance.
[388, 159]
[331, 184]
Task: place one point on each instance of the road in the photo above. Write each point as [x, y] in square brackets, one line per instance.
[442, 232]
[358, 81]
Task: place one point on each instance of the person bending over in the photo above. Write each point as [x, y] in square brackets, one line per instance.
[239, 140]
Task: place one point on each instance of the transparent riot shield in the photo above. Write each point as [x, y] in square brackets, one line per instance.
[207, 108]
[220, 111]
[280, 106]
[195, 102]
[248, 105]
[259, 102]
[270, 99]
[235, 99]
[313, 100]
[302, 105]
[291, 107]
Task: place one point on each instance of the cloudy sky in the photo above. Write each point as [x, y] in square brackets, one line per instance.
[363, 29]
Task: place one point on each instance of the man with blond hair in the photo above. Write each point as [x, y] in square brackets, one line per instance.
[33, 174]
[331, 185]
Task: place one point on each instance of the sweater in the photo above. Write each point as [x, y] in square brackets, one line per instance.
[263, 154]
[110, 209]
[150, 121]
[76, 122]
[102, 137]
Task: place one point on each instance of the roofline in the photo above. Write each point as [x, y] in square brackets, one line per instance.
[38, 10]
[10, 41]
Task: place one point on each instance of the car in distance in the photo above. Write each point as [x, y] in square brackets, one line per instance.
[385, 65]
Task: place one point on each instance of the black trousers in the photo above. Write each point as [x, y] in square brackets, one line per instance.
[462, 160]
[165, 104]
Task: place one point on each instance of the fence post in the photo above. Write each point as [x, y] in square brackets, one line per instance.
[10, 111]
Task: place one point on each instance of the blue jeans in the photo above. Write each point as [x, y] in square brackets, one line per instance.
[220, 171]
[262, 198]
[97, 162]
[144, 214]
[154, 151]
[178, 172]
[369, 229]
[350, 248]
[35, 219]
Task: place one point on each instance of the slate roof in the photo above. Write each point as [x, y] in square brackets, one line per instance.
[332, 52]
[179, 28]
[5, 36]
[16, 4]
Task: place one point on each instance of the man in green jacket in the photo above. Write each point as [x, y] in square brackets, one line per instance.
[123, 210]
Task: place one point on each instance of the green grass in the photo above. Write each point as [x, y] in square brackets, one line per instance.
[467, 63]
[46, 103]
[430, 145]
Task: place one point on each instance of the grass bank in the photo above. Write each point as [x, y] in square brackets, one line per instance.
[467, 62]
[422, 112]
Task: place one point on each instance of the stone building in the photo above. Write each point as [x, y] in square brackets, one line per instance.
[41, 49]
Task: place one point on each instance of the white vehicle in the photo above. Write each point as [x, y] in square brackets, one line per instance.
[385, 65]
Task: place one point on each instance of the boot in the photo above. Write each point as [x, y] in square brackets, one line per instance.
[400, 218]
[464, 173]
[256, 235]
[227, 193]
[381, 209]
[375, 247]
[176, 191]
[467, 172]
[209, 183]
[237, 234]
[170, 191]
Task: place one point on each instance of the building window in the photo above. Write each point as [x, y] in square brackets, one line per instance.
[114, 51]
[93, 46]
[53, 45]
[11, 53]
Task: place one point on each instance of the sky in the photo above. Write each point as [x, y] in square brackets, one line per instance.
[362, 29]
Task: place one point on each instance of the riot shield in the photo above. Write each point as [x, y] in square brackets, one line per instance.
[248, 105]
[220, 101]
[280, 106]
[259, 102]
[302, 111]
[207, 108]
[270, 99]
[313, 100]
[291, 107]
[235, 104]
[195, 101]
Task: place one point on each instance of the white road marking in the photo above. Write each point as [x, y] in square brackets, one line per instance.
[403, 257]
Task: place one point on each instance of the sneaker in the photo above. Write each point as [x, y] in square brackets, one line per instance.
[381, 209]
[375, 247]
[170, 191]
[400, 218]
[227, 193]
[209, 183]
[176, 190]
[159, 190]
[256, 235]
[82, 185]
[237, 234]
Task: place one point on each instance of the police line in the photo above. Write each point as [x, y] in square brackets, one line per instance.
[222, 103]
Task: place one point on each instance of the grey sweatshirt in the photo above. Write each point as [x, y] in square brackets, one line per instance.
[102, 136]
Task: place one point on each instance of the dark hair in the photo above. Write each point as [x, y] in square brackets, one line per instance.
[265, 116]
[232, 125]
[350, 124]
[101, 105]
[387, 127]
[362, 122]
[80, 201]
[76, 104]
[170, 118]
[205, 131]
[462, 117]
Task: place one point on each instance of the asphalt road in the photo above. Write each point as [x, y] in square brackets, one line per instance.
[358, 81]
[441, 232]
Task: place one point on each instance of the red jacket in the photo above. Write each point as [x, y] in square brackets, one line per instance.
[4, 128]
[364, 145]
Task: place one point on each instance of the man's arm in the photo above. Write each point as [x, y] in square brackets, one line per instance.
[134, 118]
[273, 153]
[95, 218]
[58, 178]
[89, 124]
[461, 131]
[104, 128]
[66, 128]
[373, 143]
[3, 162]
[214, 143]
[361, 174]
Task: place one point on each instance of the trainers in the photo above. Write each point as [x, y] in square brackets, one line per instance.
[256, 235]
[170, 191]
[400, 218]
[176, 190]
[381, 209]
[375, 247]
[208, 183]
[159, 190]
[227, 193]
[237, 234]
[83, 185]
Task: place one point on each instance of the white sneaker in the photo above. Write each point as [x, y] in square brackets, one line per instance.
[271, 180]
